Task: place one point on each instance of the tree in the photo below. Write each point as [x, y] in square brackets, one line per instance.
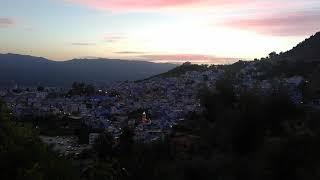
[126, 141]
[81, 89]
[205, 77]
[218, 100]
[83, 134]
[272, 55]
[24, 156]
[89, 89]
[40, 88]
[279, 108]
[104, 145]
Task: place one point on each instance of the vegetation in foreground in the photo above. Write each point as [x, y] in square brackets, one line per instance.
[24, 156]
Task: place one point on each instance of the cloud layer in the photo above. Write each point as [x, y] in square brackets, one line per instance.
[289, 24]
[298, 17]
[114, 37]
[6, 22]
[115, 5]
[195, 58]
[82, 44]
[129, 52]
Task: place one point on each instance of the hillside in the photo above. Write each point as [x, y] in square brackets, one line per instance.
[182, 69]
[303, 60]
[308, 49]
[24, 156]
[29, 70]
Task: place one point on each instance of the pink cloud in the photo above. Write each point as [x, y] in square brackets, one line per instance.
[115, 5]
[290, 24]
[6, 22]
[194, 58]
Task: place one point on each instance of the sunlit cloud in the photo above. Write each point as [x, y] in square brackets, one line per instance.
[152, 5]
[83, 44]
[6, 22]
[138, 5]
[129, 52]
[114, 37]
[289, 24]
[195, 58]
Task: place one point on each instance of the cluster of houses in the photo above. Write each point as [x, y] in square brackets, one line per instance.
[151, 107]
[249, 77]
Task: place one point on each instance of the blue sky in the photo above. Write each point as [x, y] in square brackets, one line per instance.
[203, 31]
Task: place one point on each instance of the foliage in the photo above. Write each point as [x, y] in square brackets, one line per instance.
[104, 145]
[81, 89]
[40, 88]
[217, 100]
[102, 170]
[300, 60]
[23, 156]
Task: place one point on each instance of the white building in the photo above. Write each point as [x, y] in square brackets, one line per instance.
[93, 137]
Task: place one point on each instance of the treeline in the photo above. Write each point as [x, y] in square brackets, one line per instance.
[24, 156]
[301, 60]
[256, 135]
[282, 66]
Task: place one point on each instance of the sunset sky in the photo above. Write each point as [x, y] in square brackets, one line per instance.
[201, 31]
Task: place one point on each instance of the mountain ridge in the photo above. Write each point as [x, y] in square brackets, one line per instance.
[30, 70]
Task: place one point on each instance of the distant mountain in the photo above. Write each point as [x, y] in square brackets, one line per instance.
[30, 70]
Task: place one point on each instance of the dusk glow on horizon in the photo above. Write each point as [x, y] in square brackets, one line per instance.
[200, 31]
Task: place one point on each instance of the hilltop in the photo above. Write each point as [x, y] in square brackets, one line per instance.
[30, 70]
[303, 59]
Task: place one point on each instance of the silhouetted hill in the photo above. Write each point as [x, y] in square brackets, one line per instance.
[182, 69]
[302, 60]
[29, 70]
[308, 49]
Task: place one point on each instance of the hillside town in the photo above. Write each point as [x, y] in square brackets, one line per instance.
[151, 107]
